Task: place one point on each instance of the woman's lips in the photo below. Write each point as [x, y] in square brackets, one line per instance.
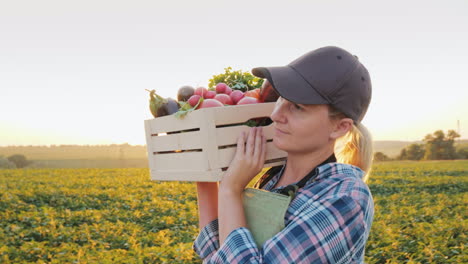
[279, 131]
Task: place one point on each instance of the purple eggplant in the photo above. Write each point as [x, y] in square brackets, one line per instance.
[160, 106]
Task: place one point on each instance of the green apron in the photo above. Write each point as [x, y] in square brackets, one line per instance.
[265, 211]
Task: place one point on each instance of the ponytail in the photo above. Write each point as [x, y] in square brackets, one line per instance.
[355, 148]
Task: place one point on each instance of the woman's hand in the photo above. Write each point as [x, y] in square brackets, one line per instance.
[247, 162]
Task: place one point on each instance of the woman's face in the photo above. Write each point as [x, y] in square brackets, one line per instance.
[302, 128]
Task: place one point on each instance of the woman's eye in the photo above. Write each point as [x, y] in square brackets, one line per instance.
[297, 107]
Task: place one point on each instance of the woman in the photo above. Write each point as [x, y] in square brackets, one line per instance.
[324, 95]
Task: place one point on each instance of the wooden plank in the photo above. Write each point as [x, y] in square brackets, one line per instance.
[149, 146]
[209, 143]
[229, 135]
[226, 155]
[196, 176]
[170, 123]
[179, 141]
[242, 113]
[183, 161]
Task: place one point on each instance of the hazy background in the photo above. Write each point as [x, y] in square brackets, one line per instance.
[75, 72]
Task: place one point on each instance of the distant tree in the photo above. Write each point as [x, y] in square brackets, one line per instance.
[440, 146]
[415, 152]
[6, 164]
[403, 155]
[380, 156]
[462, 153]
[19, 160]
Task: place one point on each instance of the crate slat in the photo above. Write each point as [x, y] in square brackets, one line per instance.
[242, 113]
[171, 123]
[199, 176]
[229, 135]
[226, 155]
[179, 141]
[183, 162]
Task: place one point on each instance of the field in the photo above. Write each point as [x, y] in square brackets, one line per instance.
[120, 216]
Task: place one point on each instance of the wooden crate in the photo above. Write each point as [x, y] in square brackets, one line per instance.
[200, 146]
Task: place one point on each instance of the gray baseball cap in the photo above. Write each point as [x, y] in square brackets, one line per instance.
[328, 75]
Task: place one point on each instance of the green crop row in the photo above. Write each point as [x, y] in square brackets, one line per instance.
[120, 216]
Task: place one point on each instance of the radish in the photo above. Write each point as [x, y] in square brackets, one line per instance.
[224, 98]
[221, 88]
[236, 95]
[201, 91]
[193, 100]
[210, 95]
[207, 103]
[248, 100]
[228, 90]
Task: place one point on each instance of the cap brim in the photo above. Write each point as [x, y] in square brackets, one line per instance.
[290, 85]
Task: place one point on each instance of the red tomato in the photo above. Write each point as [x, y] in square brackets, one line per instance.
[253, 93]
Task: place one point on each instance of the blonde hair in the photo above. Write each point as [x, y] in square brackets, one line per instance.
[355, 147]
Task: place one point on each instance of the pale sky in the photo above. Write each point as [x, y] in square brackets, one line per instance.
[76, 72]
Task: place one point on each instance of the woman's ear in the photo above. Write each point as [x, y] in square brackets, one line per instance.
[341, 127]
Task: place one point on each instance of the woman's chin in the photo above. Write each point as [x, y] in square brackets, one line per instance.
[279, 144]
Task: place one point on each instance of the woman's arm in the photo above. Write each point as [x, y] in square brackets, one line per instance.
[207, 241]
[207, 193]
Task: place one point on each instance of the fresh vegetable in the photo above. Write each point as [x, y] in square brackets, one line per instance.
[248, 100]
[228, 90]
[194, 99]
[160, 106]
[221, 88]
[210, 95]
[190, 99]
[201, 91]
[236, 95]
[187, 108]
[207, 103]
[253, 93]
[236, 80]
[224, 98]
[268, 94]
[185, 92]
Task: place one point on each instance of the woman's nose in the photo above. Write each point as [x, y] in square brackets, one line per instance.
[278, 112]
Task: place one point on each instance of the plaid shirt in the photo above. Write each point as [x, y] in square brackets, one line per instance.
[327, 222]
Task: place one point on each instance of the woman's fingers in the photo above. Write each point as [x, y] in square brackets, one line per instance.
[240, 144]
[263, 154]
[253, 153]
[258, 144]
[249, 151]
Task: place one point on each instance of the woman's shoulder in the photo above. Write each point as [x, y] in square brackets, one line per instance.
[336, 169]
[336, 180]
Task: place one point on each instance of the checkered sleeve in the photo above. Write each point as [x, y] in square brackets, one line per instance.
[326, 231]
[207, 241]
